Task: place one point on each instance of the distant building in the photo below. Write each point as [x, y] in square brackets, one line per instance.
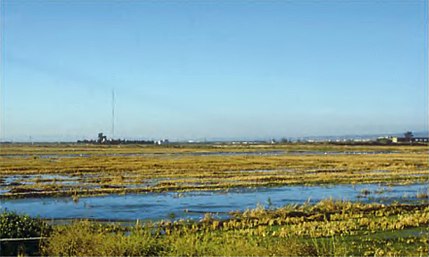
[410, 140]
[162, 142]
[421, 139]
[101, 138]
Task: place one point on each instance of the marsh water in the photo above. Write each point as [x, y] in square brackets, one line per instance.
[193, 205]
[202, 153]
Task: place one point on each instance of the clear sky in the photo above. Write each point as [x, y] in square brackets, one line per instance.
[213, 69]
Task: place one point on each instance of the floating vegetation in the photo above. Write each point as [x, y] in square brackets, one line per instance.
[423, 194]
[365, 192]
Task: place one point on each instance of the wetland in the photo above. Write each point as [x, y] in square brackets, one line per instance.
[222, 199]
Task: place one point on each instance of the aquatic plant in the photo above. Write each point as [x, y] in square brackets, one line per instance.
[422, 194]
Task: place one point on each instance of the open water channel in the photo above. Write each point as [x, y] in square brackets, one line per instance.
[193, 205]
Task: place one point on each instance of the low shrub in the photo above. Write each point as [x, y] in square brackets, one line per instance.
[13, 225]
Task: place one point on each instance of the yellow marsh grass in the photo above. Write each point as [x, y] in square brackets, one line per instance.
[98, 174]
[8, 149]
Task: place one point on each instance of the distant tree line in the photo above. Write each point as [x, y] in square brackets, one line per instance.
[116, 142]
[102, 139]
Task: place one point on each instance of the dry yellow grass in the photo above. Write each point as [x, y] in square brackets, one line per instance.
[107, 169]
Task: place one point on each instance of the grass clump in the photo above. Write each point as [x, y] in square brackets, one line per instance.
[84, 238]
[422, 194]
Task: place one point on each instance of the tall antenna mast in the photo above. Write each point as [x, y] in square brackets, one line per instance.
[2, 71]
[113, 113]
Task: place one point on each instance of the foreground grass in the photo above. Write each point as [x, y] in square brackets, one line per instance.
[326, 228]
[179, 169]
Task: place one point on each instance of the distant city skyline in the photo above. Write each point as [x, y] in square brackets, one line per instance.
[212, 69]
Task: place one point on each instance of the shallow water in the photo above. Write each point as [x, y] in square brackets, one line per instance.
[54, 156]
[213, 153]
[40, 178]
[192, 205]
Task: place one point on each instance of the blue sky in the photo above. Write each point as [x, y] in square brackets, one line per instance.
[213, 69]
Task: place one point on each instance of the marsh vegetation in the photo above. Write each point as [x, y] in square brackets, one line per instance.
[334, 228]
[385, 211]
[76, 170]
[326, 228]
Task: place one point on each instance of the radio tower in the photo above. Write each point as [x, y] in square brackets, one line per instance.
[113, 113]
